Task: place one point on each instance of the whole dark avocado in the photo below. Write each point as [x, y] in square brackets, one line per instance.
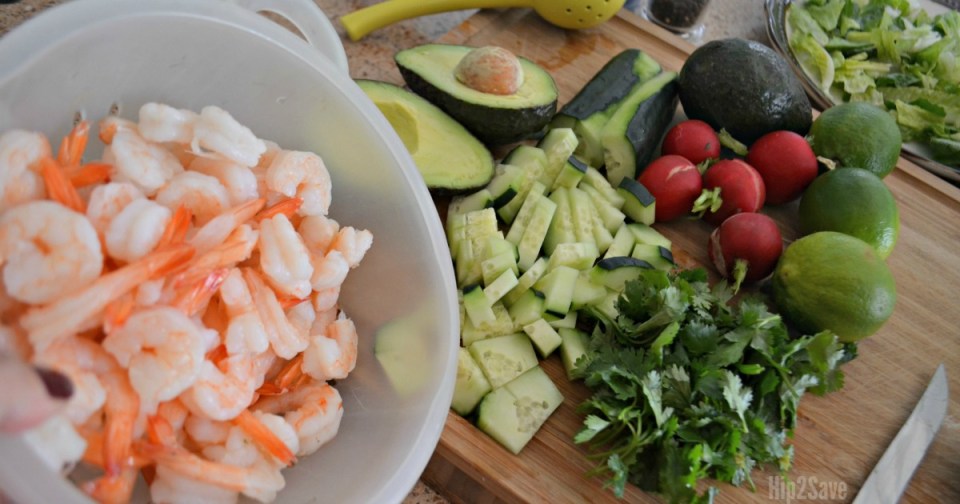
[744, 87]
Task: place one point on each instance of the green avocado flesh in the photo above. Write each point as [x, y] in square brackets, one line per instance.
[450, 159]
[495, 119]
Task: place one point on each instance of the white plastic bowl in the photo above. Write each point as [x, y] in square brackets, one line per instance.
[87, 55]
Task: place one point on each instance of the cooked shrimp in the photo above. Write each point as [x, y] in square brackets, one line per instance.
[353, 244]
[318, 232]
[205, 431]
[69, 313]
[313, 410]
[136, 230]
[162, 123]
[163, 350]
[106, 201]
[169, 487]
[202, 194]
[284, 338]
[332, 354]
[217, 131]
[216, 231]
[301, 174]
[111, 124]
[329, 271]
[239, 180]
[144, 164]
[47, 251]
[14, 342]
[245, 331]
[284, 258]
[325, 299]
[20, 151]
[301, 317]
[223, 389]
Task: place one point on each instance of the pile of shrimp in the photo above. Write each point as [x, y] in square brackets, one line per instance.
[187, 283]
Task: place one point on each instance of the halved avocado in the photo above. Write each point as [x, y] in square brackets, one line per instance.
[495, 119]
[450, 159]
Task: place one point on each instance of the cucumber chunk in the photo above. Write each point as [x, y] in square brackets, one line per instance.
[478, 308]
[504, 358]
[520, 221]
[614, 272]
[658, 257]
[557, 287]
[573, 345]
[544, 337]
[506, 184]
[570, 173]
[471, 384]
[526, 280]
[611, 216]
[501, 326]
[582, 211]
[513, 414]
[533, 236]
[623, 243]
[647, 234]
[586, 291]
[569, 320]
[596, 180]
[500, 287]
[638, 204]
[532, 162]
[558, 144]
[576, 255]
[561, 227]
[528, 308]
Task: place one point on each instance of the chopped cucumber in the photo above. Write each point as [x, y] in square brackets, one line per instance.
[479, 309]
[596, 180]
[557, 287]
[623, 243]
[570, 173]
[500, 287]
[504, 358]
[611, 216]
[544, 337]
[658, 257]
[464, 204]
[614, 272]
[471, 384]
[647, 234]
[506, 184]
[561, 227]
[558, 144]
[576, 255]
[514, 413]
[527, 308]
[568, 320]
[493, 267]
[532, 161]
[573, 345]
[519, 224]
[526, 280]
[586, 291]
[533, 236]
[638, 204]
[455, 232]
[501, 326]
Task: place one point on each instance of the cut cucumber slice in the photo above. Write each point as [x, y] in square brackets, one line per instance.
[612, 217]
[528, 308]
[557, 287]
[544, 337]
[596, 180]
[561, 227]
[532, 161]
[623, 243]
[471, 384]
[614, 272]
[569, 320]
[513, 414]
[502, 326]
[586, 292]
[495, 266]
[479, 310]
[464, 204]
[582, 211]
[526, 280]
[638, 204]
[573, 345]
[647, 234]
[455, 232]
[500, 287]
[520, 221]
[533, 236]
[506, 184]
[576, 255]
[570, 173]
[558, 144]
[658, 257]
[504, 358]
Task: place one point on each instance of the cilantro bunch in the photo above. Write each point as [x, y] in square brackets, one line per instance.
[688, 384]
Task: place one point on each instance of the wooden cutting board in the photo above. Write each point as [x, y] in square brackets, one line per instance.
[839, 437]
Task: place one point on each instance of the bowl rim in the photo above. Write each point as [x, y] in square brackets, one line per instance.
[32, 39]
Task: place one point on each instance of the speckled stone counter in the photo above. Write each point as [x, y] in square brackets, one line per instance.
[372, 55]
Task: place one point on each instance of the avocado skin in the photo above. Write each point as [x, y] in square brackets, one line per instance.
[744, 87]
[491, 125]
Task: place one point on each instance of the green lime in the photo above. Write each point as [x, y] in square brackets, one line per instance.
[857, 134]
[852, 201]
[833, 281]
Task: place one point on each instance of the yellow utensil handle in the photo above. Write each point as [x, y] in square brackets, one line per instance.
[359, 23]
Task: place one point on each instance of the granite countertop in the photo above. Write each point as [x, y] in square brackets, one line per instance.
[368, 58]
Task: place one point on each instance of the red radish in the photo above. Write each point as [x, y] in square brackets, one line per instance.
[745, 248]
[675, 182]
[730, 186]
[786, 163]
[692, 139]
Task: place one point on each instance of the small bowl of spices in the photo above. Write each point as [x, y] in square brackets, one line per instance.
[679, 16]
